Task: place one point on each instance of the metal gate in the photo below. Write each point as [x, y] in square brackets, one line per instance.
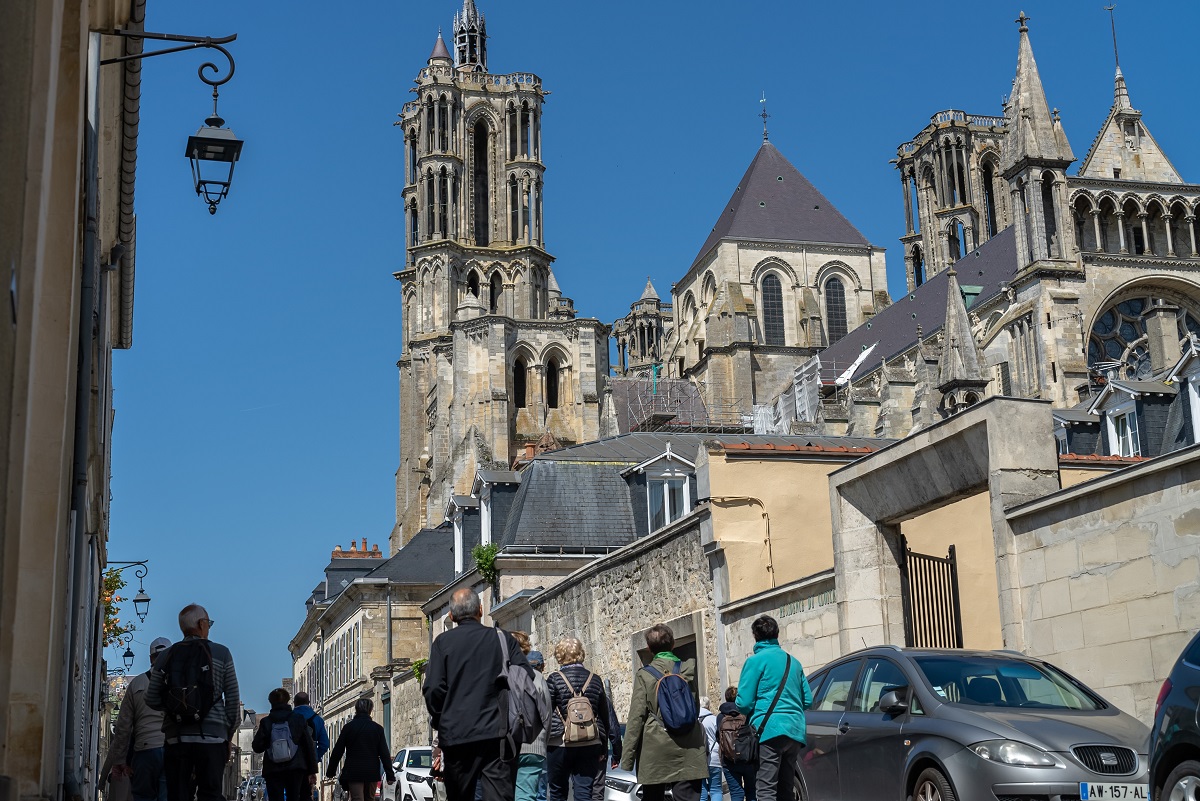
[929, 585]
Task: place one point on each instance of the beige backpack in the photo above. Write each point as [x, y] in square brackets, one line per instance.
[579, 725]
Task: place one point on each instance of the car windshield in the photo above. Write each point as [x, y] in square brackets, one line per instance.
[1001, 682]
[419, 758]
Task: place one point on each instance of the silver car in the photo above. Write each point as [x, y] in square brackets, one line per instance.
[937, 725]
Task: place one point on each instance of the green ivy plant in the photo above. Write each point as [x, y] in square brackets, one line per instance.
[418, 667]
[485, 561]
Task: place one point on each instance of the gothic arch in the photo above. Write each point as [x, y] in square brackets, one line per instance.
[481, 109]
[776, 264]
[1156, 200]
[1138, 203]
[1110, 196]
[555, 350]
[689, 307]
[708, 289]
[1183, 290]
[1085, 195]
[523, 349]
[842, 270]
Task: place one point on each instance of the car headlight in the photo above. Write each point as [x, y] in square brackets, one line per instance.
[413, 777]
[618, 785]
[1011, 752]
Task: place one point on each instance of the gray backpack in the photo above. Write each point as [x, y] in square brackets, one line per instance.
[283, 747]
[527, 708]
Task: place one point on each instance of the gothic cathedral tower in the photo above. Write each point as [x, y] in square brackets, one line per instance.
[494, 356]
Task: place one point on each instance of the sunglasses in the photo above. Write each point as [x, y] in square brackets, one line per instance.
[210, 622]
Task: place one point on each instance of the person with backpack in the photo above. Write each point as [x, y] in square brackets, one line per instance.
[136, 749]
[316, 723]
[739, 748]
[480, 692]
[711, 790]
[773, 693]
[662, 735]
[577, 748]
[364, 744]
[531, 765]
[193, 683]
[289, 756]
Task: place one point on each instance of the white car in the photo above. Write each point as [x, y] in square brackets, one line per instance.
[412, 774]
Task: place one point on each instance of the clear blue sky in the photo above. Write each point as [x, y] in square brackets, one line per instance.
[256, 422]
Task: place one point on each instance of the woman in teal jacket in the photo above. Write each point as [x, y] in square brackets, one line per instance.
[783, 734]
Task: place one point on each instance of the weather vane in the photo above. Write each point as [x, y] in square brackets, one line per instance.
[1112, 19]
[764, 115]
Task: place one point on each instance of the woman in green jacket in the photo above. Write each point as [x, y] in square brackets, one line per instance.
[664, 760]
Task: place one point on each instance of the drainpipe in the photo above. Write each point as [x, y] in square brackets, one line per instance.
[389, 623]
[71, 718]
[726, 499]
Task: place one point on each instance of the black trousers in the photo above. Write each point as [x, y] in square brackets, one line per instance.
[492, 763]
[195, 771]
[581, 766]
[291, 785]
[680, 791]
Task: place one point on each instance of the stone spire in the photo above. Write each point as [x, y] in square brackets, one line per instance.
[1033, 132]
[439, 48]
[961, 379]
[1121, 92]
[648, 293]
[470, 38]
[1124, 148]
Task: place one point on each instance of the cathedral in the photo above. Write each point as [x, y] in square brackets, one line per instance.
[494, 356]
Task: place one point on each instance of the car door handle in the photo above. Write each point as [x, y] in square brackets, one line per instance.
[843, 728]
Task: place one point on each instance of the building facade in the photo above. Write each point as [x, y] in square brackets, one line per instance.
[494, 355]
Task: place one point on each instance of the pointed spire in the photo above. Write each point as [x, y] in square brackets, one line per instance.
[959, 365]
[648, 293]
[1120, 92]
[470, 37]
[439, 48]
[1033, 133]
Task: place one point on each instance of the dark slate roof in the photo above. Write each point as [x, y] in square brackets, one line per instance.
[340, 572]
[632, 449]
[570, 505]
[499, 476]
[1146, 387]
[1075, 415]
[895, 328]
[439, 48]
[428, 558]
[794, 210]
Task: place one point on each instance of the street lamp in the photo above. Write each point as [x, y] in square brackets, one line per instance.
[127, 658]
[141, 601]
[214, 150]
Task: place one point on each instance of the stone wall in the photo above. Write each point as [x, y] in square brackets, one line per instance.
[410, 721]
[1110, 577]
[608, 604]
[808, 627]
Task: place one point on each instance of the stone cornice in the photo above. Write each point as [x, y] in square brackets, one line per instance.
[1120, 187]
[1131, 260]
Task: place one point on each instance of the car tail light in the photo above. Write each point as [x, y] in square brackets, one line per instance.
[1162, 696]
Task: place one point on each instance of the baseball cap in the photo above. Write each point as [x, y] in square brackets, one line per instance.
[535, 658]
[158, 645]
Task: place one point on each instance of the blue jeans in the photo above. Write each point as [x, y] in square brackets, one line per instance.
[149, 782]
[710, 790]
[578, 770]
[543, 786]
[740, 779]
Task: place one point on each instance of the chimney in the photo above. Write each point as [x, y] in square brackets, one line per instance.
[337, 552]
[376, 552]
[529, 449]
[353, 548]
[364, 545]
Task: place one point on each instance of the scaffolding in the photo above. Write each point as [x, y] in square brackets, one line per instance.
[677, 405]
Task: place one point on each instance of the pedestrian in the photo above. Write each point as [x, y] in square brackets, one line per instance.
[531, 764]
[580, 731]
[316, 725]
[136, 748]
[739, 774]
[465, 701]
[773, 693]
[284, 739]
[710, 790]
[194, 684]
[364, 744]
[672, 758]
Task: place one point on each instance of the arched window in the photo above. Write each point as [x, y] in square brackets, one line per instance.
[473, 283]
[1050, 215]
[772, 310]
[430, 205]
[918, 266]
[519, 388]
[552, 378]
[835, 309]
[414, 227]
[514, 209]
[412, 156]
[954, 242]
[512, 131]
[989, 198]
[443, 112]
[479, 181]
[496, 291]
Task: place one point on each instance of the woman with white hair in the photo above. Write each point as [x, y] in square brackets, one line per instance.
[581, 723]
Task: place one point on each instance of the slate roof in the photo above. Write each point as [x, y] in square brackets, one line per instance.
[428, 558]
[439, 48]
[570, 504]
[499, 476]
[1076, 415]
[631, 449]
[789, 210]
[895, 328]
[339, 573]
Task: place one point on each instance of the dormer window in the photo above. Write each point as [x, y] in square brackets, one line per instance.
[1124, 431]
[669, 482]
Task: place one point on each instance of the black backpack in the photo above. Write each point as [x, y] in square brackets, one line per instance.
[189, 693]
[738, 740]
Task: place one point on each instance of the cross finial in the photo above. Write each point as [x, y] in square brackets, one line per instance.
[1112, 19]
[764, 115]
[1022, 20]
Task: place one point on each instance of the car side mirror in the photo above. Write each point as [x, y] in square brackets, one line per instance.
[894, 702]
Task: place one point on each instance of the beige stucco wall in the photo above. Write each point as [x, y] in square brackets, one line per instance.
[1110, 577]
[967, 525]
[1070, 476]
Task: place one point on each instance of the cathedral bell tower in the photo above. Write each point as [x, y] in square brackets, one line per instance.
[493, 355]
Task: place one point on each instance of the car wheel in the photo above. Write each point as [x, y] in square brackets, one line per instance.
[932, 786]
[798, 793]
[1184, 782]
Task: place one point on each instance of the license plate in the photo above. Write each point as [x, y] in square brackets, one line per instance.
[1089, 790]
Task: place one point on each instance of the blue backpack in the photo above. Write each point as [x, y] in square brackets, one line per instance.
[677, 710]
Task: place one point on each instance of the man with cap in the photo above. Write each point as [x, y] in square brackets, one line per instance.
[136, 749]
[531, 765]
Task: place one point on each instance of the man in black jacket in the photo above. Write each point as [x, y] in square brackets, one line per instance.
[468, 709]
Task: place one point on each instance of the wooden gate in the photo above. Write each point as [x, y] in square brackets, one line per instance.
[929, 585]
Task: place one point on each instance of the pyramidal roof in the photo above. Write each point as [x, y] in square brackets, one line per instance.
[1127, 147]
[1033, 132]
[439, 48]
[648, 293]
[960, 363]
[774, 201]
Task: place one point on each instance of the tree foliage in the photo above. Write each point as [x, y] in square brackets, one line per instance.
[110, 599]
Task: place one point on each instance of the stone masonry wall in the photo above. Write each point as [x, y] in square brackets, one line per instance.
[1110, 578]
[656, 579]
[410, 722]
[808, 627]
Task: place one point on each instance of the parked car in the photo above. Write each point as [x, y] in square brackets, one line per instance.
[412, 767]
[256, 788]
[621, 785]
[899, 723]
[1175, 735]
